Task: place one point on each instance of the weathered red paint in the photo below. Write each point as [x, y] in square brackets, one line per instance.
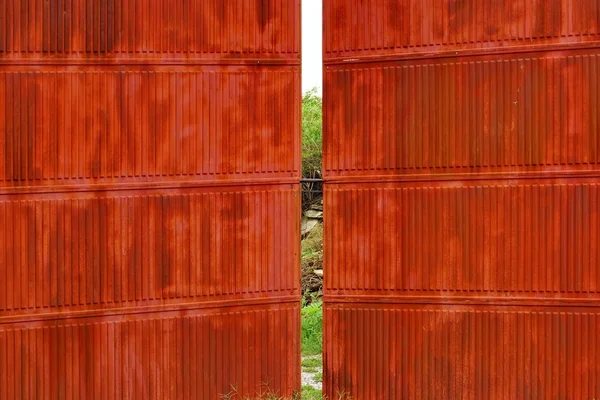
[462, 199]
[149, 198]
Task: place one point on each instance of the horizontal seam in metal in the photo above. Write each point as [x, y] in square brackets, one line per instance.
[141, 186]
[461, 177]
[129, 62]
[177, 307]
[443, 300]
[311, 180]
[391, 57]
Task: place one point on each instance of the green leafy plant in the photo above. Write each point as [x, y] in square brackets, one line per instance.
[312, 134]
[312, 329]
[312, 145]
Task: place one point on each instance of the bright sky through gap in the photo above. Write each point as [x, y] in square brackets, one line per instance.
[312, 45]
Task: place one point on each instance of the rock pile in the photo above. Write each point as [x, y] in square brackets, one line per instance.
[312, 217]
[312, 251]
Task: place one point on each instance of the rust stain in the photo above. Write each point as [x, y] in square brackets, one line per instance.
[149, 178]
[119, 29]
[462, 202]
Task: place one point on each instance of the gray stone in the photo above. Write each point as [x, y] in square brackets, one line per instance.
[313, 214]
[308, 224]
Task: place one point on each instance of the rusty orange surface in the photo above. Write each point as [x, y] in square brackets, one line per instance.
[149, 198]
[462, 199]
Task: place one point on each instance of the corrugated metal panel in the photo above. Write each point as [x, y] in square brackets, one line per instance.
[198, 353]
[106, 250]
[515, 112]
[163, 29]
[463, 352]
[462, 239]
[494, 238]
[192, 123]
[149, 198]
[426, 27]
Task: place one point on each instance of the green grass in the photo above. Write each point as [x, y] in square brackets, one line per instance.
[319, 377]
[312, 362]
[263, 393]
[312, 329]
[310, 393]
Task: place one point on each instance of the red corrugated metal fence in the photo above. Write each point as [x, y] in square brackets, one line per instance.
[462, 165]
[149, 198]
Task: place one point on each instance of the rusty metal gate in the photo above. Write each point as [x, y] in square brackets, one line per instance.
[149, 170]
[462, 166]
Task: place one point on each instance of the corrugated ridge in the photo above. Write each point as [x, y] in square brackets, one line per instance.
[192, 356]
[126, 250]
[522, 112]
[356, 27]
[457, 265]
[419, 353]
[124, 28]
[146, 124]
[482, 239]
[114, 281]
